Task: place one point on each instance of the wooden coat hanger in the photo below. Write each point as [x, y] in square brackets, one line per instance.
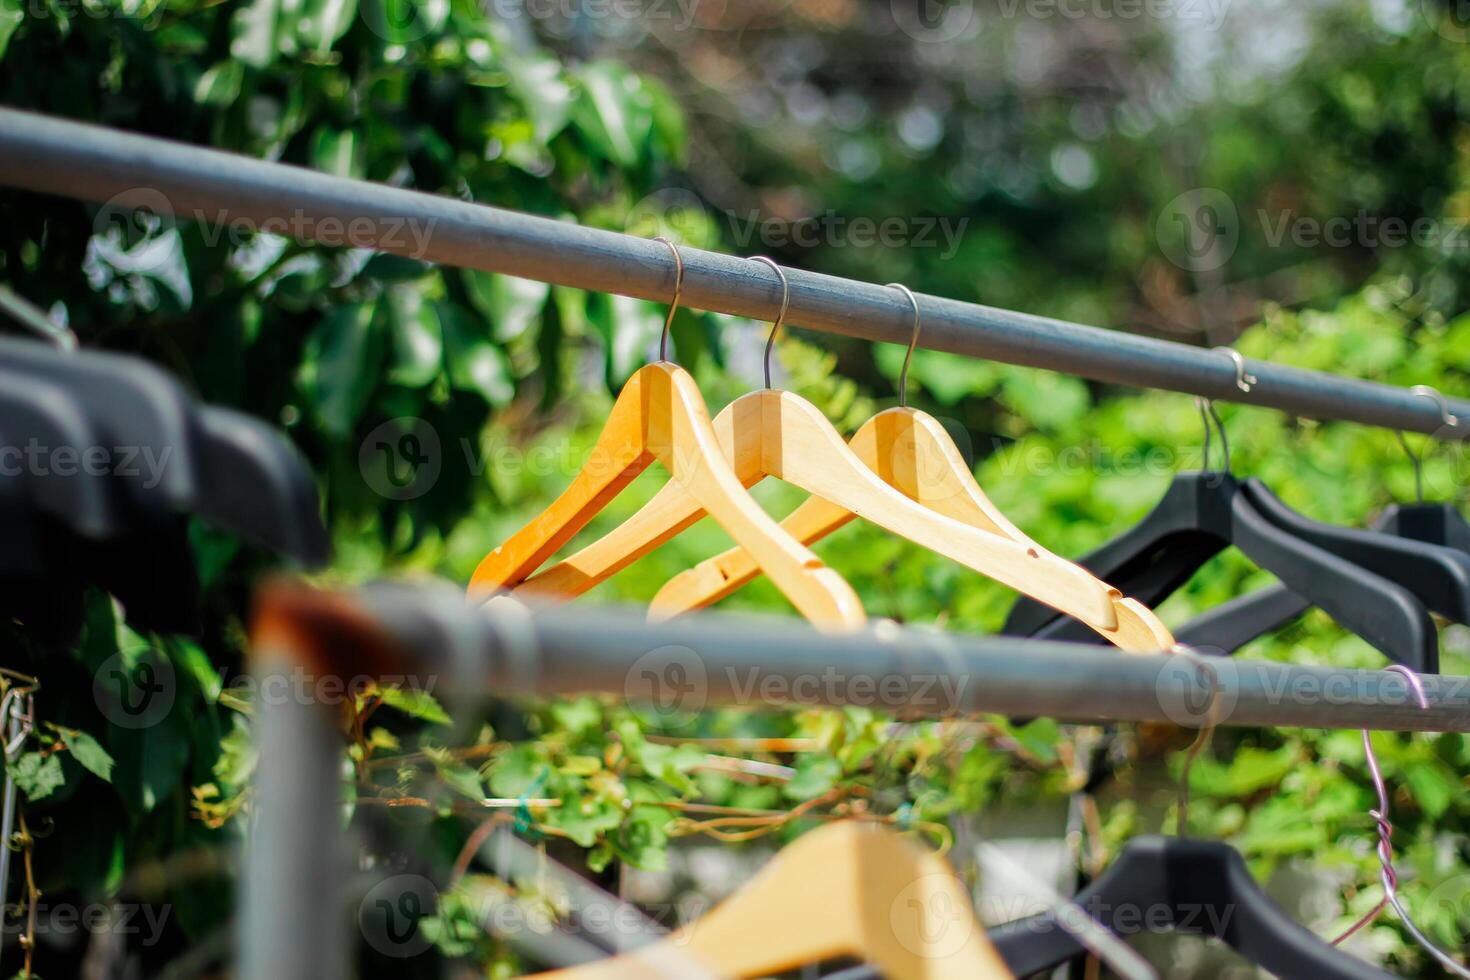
[913, 453]
[777, 433]
[660, 415]
[847, 889]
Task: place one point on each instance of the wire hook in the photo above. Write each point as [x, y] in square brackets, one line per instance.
[903, 376]
[663, 341]
[781, 316]
[1445, 415]
[1244, 380]
[1206, 413]
[1207, 730]
[1387, 875]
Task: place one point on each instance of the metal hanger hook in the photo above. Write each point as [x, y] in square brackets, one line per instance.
[1207, 412]
[903, 375]
[1388, 876]
[781, 316]
[1445, 415]
[1207, 670]
[1244, 380]
[663, 341]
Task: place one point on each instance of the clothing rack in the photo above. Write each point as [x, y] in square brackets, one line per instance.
[426, 635]
[126, 171]
[293, 886]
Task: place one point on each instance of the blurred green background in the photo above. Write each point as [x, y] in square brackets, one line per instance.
[1289, 178]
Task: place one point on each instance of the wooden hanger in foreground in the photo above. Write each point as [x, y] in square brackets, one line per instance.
[660, 415]
[912, 452]
[776, 433]
[846, 890]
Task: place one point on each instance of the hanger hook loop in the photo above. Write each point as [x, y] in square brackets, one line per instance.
[781, 316]
[1205, 669]
[1207, 412]
[663, 341]
[1445, 415]
[1244, 380]
[903, 376]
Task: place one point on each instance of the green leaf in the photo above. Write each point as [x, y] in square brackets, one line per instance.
[418, 339]
[512, 304]
[629, 329]
[1046, 399]
[37, 775]
[581, 765]
[472, 362]
[12, 12]
[613, 113]
[88, 752]
[338, 152]
[343, 361]
[415, 703]
[543, 92]
[1433, 788]
[219, 86]
[323, 22]
[815, 775]
[253, 32]
[585, 819]
[459, 777]
[150, 762]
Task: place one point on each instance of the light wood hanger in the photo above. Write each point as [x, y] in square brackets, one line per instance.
[912, 452]
[777, 433]
[660, 415]
[847, 889]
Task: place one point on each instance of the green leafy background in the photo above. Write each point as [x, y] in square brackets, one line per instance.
[1059, 144]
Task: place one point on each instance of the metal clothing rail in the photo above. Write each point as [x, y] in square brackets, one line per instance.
[430, 636]
[311, 647]
[128, 171]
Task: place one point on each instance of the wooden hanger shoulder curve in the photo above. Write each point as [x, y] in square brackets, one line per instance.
[777, 433]
[847, 889]
[660, 415]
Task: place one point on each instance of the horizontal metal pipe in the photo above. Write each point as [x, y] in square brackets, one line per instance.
[125, 170]
[430, 636]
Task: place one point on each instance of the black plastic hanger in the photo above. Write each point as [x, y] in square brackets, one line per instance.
[45, 432]
[1200, 887]
[244, 463]
[1202, 514]
[1439, 576]
[1441, 524]
[1190, 886]
[1233, 624]
[222, 466]
[64, 481]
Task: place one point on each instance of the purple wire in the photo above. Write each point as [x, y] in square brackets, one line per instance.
[1388, 875]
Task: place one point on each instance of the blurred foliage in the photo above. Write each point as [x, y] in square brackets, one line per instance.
[1055, 151]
